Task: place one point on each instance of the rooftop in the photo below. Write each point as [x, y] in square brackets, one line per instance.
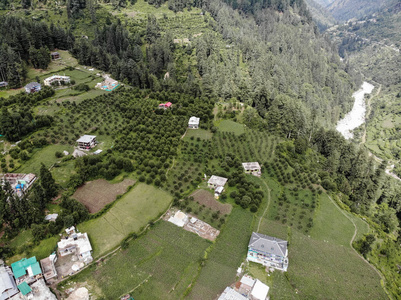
[51, 217]
[30, 265]
[268, 244]
[57, 76]
[8, 287]
[193, 121]
[86, 138]
[24, 288]
[230, 294]
[247, 280]
[32, 85]
[179, 219]
[49, 270]
[217, 180]
[259, 291]
[251, 165]
[79, 240]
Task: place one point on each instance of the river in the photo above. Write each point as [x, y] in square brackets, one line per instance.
[356, 117]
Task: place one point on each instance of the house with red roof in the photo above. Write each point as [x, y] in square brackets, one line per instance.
[165, 105]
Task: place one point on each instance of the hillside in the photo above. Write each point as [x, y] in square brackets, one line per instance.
[343, 10]
[266, 86]
[321, 16]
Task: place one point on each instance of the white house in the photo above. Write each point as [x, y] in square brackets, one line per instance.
[179, 219]
[193, 123]
[56, 78]
[216, 181]
[268, 251]
[252, 168]
[87, 141]
[78, 244]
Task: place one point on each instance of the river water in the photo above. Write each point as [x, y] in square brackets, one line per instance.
[356, 117]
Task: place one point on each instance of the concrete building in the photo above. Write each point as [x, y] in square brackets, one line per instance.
[8, 287]
[26, 270]
[56, 78]
[55, 55]
[48, 268]
[252, 168]
[230, 294]
[216, 181]
[33, 87]
[179, 219]
[87, 142]
[193, 123]
[268, 251]
[259, 291]
[78, 244]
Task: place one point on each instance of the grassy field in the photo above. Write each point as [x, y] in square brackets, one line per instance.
[55, 66]
[231, 126]
[198, 133]
[22, 238]
[44, 155]
[42, 250]
[225, 257]
[129, 214]
[158, 265]
[322, 264]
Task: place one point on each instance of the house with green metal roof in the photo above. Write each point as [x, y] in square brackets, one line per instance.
[26, 269]
[24, 288]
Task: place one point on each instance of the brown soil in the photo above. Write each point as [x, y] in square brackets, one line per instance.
[96, 194]
[206, 198]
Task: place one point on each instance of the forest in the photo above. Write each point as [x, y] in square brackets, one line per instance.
[278, 76]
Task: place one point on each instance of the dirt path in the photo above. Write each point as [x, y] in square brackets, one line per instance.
[267, 206]
[360, 256]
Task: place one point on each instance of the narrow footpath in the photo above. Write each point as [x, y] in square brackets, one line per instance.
[360, 256]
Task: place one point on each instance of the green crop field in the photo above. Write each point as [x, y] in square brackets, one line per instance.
[46, 156]
[129, 214]
[159, 265]
[231, 126]
[225, 257]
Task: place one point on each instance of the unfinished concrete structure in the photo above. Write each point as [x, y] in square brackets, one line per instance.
[48, 268]
[252, 168]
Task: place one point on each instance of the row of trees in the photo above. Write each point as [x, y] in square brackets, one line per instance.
[20, 212]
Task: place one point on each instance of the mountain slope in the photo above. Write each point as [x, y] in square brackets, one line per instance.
[320, 15]
[343, 10]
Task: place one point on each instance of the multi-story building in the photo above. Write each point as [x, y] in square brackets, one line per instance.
[56, 78]
[268, 251]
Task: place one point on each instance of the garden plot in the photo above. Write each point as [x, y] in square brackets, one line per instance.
[206, 198]
[131, 213]
[98, 193]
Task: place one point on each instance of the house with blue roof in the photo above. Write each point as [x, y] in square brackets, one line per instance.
[26, 270]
